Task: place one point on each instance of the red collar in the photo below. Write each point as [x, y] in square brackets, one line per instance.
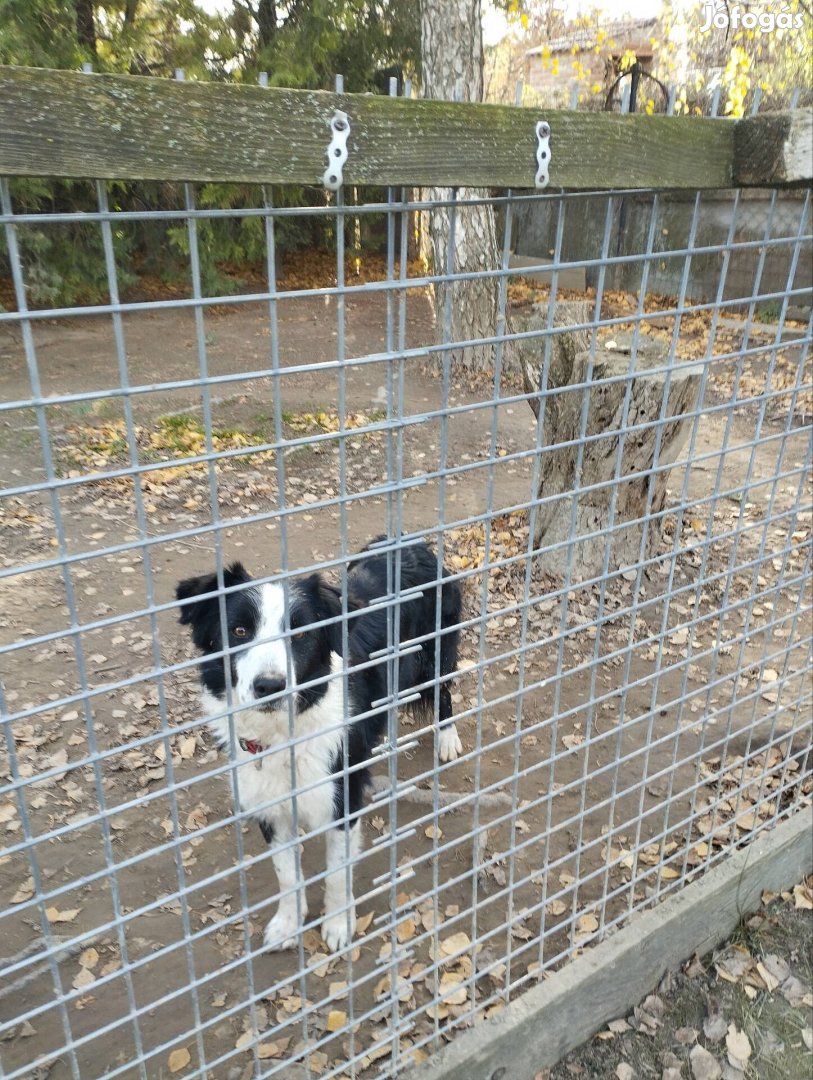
[250, 746]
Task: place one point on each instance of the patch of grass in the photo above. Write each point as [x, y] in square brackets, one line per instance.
[102, 446]
[768, 313]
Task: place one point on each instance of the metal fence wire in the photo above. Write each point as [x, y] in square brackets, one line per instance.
[624, 724]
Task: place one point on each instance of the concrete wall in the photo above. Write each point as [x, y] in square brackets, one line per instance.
[535, 232]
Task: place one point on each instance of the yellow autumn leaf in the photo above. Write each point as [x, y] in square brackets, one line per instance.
[178, 1060]
[336, 1019]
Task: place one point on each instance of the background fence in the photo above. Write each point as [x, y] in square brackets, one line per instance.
[626, 722]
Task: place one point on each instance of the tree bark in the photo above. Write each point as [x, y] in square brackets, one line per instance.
[85, 26]
[452, 66]
[624, 503]
[266, 22]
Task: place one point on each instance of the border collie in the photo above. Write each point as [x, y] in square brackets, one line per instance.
[287, 679]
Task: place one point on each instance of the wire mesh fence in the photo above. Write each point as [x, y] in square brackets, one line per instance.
[622, 500]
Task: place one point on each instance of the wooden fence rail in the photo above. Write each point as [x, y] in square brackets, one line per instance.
[74, 125]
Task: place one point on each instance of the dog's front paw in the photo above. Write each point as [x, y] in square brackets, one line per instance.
[338, 930]
[281, 932]
[449, 745]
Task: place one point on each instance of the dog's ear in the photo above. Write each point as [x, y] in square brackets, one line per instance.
[326, 600]
[206, 583]
[194, 586]
[326, 603]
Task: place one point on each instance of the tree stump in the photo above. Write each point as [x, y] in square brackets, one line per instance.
[640, 450]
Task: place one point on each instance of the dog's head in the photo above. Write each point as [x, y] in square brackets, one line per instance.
[270, 658]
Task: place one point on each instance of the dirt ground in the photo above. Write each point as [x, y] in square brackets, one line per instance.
[621, 746]
[744, 1012]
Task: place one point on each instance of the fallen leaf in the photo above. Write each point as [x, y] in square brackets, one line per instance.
[406, 930]
[363, 922]
[618, 1027]
[586, 924]
[25, 892]
[704, 1065]
[624, 1071]
[336, 1019]
[793, 991]
[272, 1049]
[452, 990]
[187, 746]
[776, 967]
[686, 1035]
[521, 933]
[733, 962]
[322, 962]
[738, 1046]
[89, 958]
[196, 819]
[83, 979]
[178, 1059]
[771, 982]
[455, 943]
[803, 897]
[55, 916]
[715, 1027]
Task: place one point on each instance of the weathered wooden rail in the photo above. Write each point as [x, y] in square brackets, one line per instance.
[68, 124]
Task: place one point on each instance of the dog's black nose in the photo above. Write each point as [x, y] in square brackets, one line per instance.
[265, 685]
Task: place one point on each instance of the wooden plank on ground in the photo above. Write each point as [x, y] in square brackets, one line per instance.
[548, 1021]
[69, 124]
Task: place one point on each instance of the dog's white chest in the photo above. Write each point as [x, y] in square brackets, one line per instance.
[267, 791]
[303, 768]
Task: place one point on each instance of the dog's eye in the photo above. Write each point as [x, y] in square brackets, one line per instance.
[239, 631]
[298, 635]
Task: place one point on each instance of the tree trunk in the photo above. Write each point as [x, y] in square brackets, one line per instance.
[651, 443]
[85, 26]
[452, 66]
[266, 22]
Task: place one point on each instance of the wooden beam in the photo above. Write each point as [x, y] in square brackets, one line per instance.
[774, 149]
[68, 124]
[542, 1025]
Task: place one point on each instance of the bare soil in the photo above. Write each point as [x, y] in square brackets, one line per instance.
[600, 741]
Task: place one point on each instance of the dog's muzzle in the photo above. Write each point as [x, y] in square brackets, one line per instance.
[250, 746]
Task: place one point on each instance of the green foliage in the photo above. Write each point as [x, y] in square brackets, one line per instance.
[65, 264]
[315, 40]
[300, 43]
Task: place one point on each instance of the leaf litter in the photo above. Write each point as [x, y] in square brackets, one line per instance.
[746, 1012]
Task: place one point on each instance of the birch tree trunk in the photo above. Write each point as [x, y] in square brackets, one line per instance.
[452, 62]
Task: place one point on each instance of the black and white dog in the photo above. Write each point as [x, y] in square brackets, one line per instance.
[280, 677]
